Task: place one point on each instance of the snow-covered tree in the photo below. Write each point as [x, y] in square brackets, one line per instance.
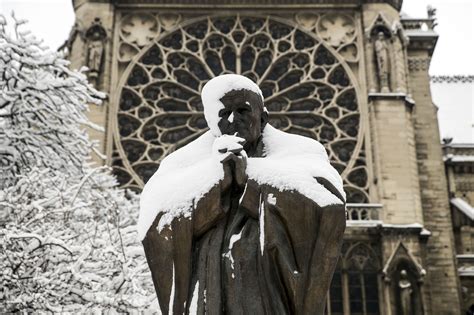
[67, 233]
[42, 104]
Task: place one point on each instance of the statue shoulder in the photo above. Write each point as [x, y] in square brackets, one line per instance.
[280, 143]
[189, 154]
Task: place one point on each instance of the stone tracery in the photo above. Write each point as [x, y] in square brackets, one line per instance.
[307, 90]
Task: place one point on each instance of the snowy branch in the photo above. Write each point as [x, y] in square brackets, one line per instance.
[68, 241]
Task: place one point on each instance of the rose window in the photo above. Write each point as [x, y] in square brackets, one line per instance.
[306, 86]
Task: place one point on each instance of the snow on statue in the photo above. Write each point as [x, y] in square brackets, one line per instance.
[245, 219]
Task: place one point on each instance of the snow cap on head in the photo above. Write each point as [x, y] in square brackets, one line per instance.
[215, 89]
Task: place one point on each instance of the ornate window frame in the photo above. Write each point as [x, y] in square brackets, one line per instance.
[362, 260]
[303, 21]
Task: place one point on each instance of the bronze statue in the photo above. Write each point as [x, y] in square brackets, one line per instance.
[246, 219]
[382, 56]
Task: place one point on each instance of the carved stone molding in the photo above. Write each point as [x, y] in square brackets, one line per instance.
[397, 4]
[399, 255]
[336, 29]
[379, 24]
[452, 79]
[418, 63]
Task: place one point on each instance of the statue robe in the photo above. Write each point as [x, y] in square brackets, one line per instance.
[260, 250]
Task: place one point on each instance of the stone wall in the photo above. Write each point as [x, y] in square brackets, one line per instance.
[440, 263]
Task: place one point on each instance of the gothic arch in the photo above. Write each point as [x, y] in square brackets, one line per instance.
[362, 256]
[357, 283]
[379, 24]
[402, 260]
[401, 255]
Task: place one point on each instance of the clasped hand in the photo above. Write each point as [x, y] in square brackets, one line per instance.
[230, 151]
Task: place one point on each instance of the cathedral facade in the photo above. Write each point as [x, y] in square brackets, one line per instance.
[352, 74]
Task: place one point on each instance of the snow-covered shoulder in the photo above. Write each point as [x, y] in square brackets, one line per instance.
[292, 162]
[183, 177]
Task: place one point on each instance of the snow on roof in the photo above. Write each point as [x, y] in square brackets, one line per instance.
[420, 33]
[463, 206]
[215, 89]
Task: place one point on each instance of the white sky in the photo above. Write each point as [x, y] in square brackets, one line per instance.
[455, 48]
[454, 54]
[455, 110]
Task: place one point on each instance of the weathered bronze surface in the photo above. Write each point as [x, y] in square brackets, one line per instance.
[291, 275]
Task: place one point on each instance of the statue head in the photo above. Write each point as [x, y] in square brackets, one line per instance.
[380, 35]
[403, 274]
[233, 104]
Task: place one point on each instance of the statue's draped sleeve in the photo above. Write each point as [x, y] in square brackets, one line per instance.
[169, 252]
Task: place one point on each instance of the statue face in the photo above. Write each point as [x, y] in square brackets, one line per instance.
[242, 114]
[403, 274]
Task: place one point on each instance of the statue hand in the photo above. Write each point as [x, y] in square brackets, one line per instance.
[229, 150]
[237, 163]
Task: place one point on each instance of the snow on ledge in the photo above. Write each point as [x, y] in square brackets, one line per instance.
[466, 271]
[463, 206]
[379, 223]
[460, 158]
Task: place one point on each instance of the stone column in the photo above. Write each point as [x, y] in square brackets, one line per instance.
[441, 266]
[398, 173]
[86, 13]
[466, 240]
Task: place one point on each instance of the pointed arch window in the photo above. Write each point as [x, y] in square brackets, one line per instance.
[356, 282]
